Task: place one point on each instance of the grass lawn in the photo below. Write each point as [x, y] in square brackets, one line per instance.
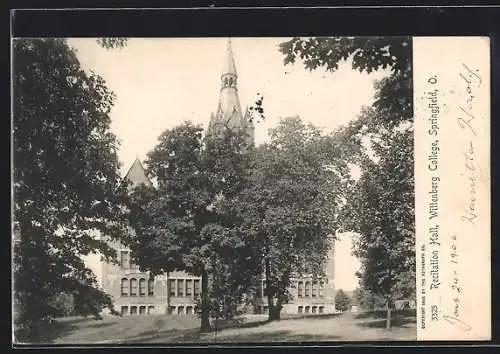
[184, 329]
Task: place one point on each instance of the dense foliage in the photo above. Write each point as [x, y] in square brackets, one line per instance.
[67, 189]
[380, 204]
[342, 301]
[288, 207]
[188, 223]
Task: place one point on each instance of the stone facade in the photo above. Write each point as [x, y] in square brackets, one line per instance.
[133, 292]
[310, 295]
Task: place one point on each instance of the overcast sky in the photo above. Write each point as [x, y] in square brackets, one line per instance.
[159, 83]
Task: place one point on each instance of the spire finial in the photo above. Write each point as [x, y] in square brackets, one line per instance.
[229, 66]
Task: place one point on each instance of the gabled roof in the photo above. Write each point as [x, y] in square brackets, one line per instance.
[137, 175]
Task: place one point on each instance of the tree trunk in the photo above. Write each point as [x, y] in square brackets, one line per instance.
[168, 293]
[270, 297]
[205, 305]
[277, 309]
[388, 322]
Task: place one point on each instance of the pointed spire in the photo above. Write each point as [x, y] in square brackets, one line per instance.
[229, 65]
[228, 113]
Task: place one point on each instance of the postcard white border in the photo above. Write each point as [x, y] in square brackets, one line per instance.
[452, 187]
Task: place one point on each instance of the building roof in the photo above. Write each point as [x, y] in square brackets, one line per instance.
[137, 175]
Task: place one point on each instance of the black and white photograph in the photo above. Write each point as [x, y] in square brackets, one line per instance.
[213, 190]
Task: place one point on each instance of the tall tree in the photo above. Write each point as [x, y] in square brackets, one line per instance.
[381, 202]
[287, 208]
[342, 301]
[66, 183]
[184, 223]
[386, 235]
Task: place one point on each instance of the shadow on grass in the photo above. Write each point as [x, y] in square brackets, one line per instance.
[251, 324]
[318, 316]
[274, 336]
[167, 336]
[222, 334]
[395, 322]
[383, 314]
[186, 331]
[193, 336]
[377, 319]
[50, 331]
[101, 325]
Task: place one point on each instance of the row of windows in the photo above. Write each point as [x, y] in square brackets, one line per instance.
[184, 287]
[129, 287]
[135, 310]
[300, 309]
[182, 310]
[310, 288]
[191, 288]
[310, 309]
[304, 289]
[148, 310]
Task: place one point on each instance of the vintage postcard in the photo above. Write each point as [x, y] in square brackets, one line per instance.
[250, 190]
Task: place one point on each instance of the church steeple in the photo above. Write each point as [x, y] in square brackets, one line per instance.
[229, 114]
[229, 101]
[229, 68]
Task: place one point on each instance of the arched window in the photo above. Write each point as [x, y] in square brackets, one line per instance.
[230, 81]
[142, 287]
[307, 288]
[133, 287]
[300, 289]
[124, 287]
[151, 287]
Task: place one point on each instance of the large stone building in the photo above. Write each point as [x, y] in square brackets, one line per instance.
[134, 293]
